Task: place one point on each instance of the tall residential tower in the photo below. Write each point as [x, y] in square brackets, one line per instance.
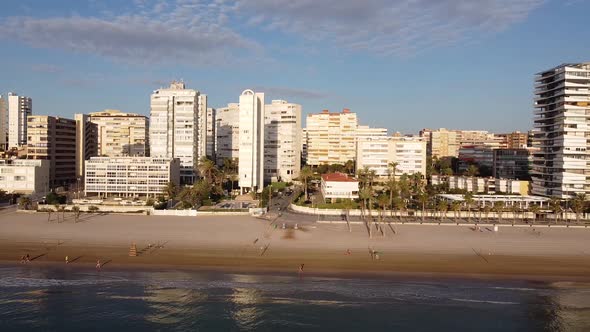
[173, 127]
[19, 108]
[561, 165]
[251, 154]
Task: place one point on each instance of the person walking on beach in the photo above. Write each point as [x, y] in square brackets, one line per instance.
[67, 260]
[301, 270]
[27, 258]
[22, 259]
[98, 264]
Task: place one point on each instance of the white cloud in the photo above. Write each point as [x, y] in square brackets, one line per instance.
[188, 33]
[204, 32]
[384, 26]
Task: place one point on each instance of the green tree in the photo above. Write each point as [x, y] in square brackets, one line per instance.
[579, 205]
[469, 201]
[304, 175]
[472, 171]
[455, 207]
[555, 206]
[170, 190]
[423, 199]
[207, 168]
[24, 202]
[535, 209]
[499, 207]
[76, 210]
[383, 202]
[349, 166]
[442, 207]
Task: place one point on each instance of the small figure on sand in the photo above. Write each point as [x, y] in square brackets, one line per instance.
[27, 258]
[301, 270]
[348, 252]
[255, 241]
[22, 259]
[67, 260]
[98, 264]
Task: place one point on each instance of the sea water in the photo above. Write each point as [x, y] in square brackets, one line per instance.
[35, 298]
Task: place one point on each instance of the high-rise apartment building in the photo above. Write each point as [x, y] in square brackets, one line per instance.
[202, 127]
[173, 127]
[251, 138]
[54, 139]
[561, 165]
[86, 144]
[3, 124]
[331, 137]
[210, 138]
[513, 163]
[227, 133]
[121, 134]
[282, 141]
[373, 153]
[19, 108]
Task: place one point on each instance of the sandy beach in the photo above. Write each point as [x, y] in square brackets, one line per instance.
[254, 245]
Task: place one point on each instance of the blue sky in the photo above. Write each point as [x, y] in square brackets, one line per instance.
[403, 65]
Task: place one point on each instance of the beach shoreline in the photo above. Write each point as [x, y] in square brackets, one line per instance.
[250, 245]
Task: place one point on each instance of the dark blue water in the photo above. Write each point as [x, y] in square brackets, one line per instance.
[59, 299]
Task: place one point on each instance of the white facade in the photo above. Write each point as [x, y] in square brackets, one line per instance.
[282, 141]
[251, 138]
[370, 132]
[482, 185]
[3, 124]
[373, 153]
[129, 176]
[173, 127]
[19, 108]
[331, 137]
[227, 133]
[339, 186]
[202, 127]
[210, 144]
[409, 153]
[23, 176]
[561, 165]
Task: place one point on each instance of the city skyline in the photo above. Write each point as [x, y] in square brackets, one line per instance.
[399, 80]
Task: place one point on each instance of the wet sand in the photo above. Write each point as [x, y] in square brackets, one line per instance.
[253, 245]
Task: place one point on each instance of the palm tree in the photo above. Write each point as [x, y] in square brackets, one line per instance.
[24, 202]
[382, 201]
[423, 199]
[400, 205]
[392, 168]
[499, 208]
[207, 169]
[304, 175]
[56, 206]
[76, 210]
[349, 166]
[455, 207]
[535, 209]
[442, 208]
[555, 205]
[468, 198]
[170, 190]
[579, 205]
[392, 188]
[472, 171]
[231, 171]
[515, 209]
[348, 205]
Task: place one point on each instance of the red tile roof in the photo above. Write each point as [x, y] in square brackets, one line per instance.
[338, 177]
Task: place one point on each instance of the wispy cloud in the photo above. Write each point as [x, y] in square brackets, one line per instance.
[386, 27]
[200, 32]
[188, 33]
[286, 92]
[46, 68]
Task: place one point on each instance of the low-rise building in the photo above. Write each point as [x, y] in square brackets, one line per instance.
[23, 176]
[130, 176]
[488, 185]
[339, 186]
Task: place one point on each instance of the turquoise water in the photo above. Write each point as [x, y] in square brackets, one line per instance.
[62, 299]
